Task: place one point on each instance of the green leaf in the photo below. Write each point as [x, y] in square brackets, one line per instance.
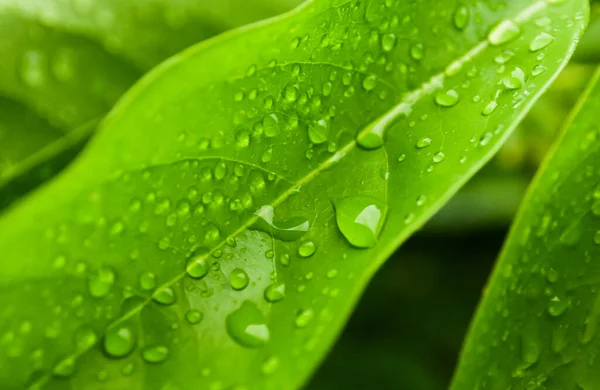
[67, 62]
[538, 320]
[195, 244]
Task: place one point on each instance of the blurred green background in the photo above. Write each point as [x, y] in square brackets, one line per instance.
[407, 329]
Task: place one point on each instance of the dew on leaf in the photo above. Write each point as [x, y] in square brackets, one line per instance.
[275, 292]
[193, 317]
[64, 368]
[270, 365]
[271, 125]
[417, 51]
[557, 306]
[246, 326]
[489, 108]
[197, 266]
[423, 143]
[541, 41]
[119, 341]
[461, 16]
[369, 83]
[307, 249]
[388, 41]
[304, 317]
[360, 219]
[515, 80]
[318, 131]
[285, 230]
[164, 296]
[238, 279]
[101, 282]
[155, 354]
[447, 98]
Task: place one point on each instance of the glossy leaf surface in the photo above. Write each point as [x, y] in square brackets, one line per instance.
[538, 321]
[195, 244]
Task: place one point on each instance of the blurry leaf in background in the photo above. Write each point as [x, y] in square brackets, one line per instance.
[538, 321]
[588, 49]
[65, 63]
[266, 130]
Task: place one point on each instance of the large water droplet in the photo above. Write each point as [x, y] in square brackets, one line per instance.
[360, 219]
[284, 230]
[119, 341]
[504, 32]
[516, 79]
[246, 326]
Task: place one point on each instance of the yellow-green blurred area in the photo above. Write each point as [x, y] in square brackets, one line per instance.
[407, 330]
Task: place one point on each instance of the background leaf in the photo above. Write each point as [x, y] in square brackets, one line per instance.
[67, 62]
[541, 302]
[267, 117]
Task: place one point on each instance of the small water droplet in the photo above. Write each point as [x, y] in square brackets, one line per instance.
[64, 368]
[147, 281]
[197, 267]
[461, 17]
[489, 108]
[307, 249]
[541, 41]
[369, 83]
[271, 125]
[304, 317]
[238, 279]
[164, 296]
[119, 341]
[101, 282]
[155, 354]
[417, 51]
[447, 98]
[557, 306]
[193, 317]
[270, 365]
[318, 132]
[423, 143]
[388, 42]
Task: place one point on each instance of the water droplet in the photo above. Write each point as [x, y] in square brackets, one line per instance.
[270, 365]
[318, 132]
[246, 326]
[369, 83]
[164, 296]
[360, 219]
[64, 368]
[461, 17]
[489, 108]
[541, 41]
[388, 41]
[307, 249]
[85, 338]
[557, 306]
[33, 69]
[275, 292]
[147, 281]
[238, 279]
[417, 51]
[304, 317]
[271, 125]
[447, 99]
[291, 92]
[423, 143]
[516, 79]
[156, 354]
[197, 267]
[101, 282]
[193, 317]
[439, 157]
[286, 230]
[504, 32]
[538, 70]
[119, 341]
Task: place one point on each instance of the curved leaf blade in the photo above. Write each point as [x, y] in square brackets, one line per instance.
[264, 120]
[541, 300]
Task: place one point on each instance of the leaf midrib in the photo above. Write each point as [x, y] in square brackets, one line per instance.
[434, 83]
